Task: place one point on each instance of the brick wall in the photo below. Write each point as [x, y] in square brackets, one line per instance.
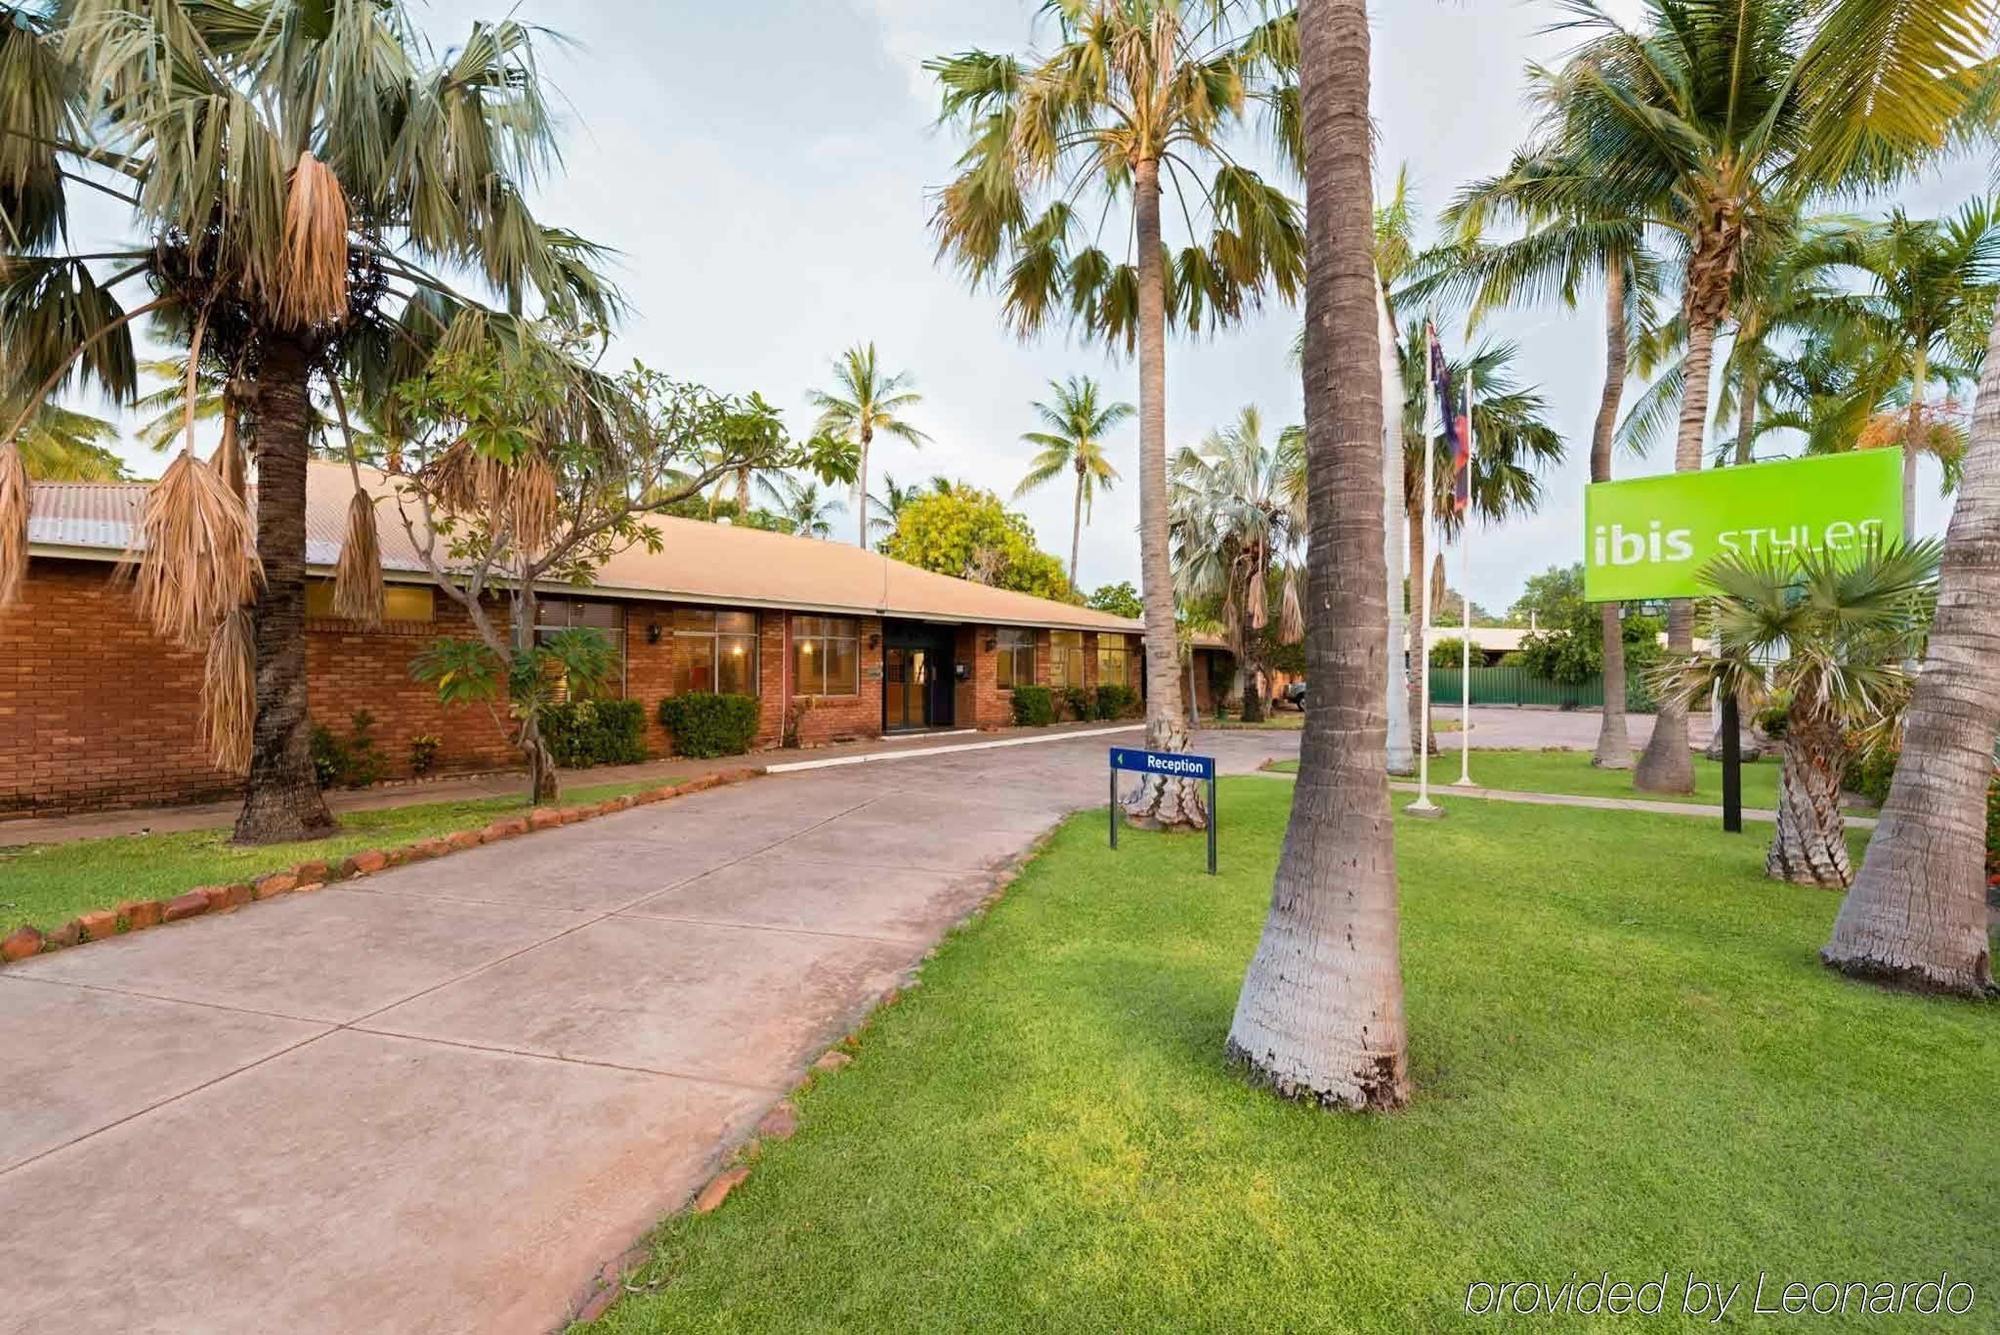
[832, 718]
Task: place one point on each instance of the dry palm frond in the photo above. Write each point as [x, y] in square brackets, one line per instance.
[1291, 613]
[13, 522]
[311, 286]
[531, 503]
[229, 692]
[194, 553]
[357, 580]
[228, 460]
[463, 480]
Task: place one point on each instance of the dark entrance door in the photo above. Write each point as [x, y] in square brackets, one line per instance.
[918, 676]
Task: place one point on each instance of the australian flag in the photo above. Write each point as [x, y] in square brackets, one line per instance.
[1457, 425]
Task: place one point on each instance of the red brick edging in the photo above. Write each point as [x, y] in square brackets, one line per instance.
[138, 914]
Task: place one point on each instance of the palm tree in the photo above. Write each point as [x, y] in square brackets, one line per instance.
[295, 187]
[1916, 915]
[62, 445]
[1320, 1016]
[805, 510]
[1826, 632]
[887, 508]
[1237, 508]
[1135, 97]
[1714, 123]
[1074, 443]
[866, 403]
[1571, 238]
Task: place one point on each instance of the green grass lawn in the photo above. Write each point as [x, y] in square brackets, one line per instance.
[45, 885]
[1571, 772]
[1626, 1058]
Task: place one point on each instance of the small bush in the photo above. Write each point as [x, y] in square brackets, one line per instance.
[354, 763]
[705, 724]
[424, 750]
[1116, 700]
[1869, 770]
[1034, 707]
[1449, 652]
[582, 733]
[1771, 719]
[1078, 703]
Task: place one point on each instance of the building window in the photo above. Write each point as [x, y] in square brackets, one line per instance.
[715, 651]
[1114, 660]
[826, 656]
[1065, 658]
[1015, 658]
[400, 602]
[607, 619]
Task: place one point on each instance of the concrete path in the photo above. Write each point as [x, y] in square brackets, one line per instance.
[1646, 805]
[1495, 729]
[438, 1099]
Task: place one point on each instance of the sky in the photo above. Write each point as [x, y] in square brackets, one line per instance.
[764, 169]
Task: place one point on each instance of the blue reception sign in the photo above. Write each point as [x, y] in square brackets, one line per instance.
[1173, 764]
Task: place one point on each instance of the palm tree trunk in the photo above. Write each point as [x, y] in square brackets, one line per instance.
[1158, 801]
[1614, 746]
[1810, 844]
[1416, 649]
[1667, 764]
[282, 800]
[1913, 434]
[1320, 1017]
[1916, 916]
[1076, 526]
[861, 492]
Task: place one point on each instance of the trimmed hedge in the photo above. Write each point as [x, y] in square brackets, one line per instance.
[1116, 700]
[705, 725]
[1034, 706]
[582, 733]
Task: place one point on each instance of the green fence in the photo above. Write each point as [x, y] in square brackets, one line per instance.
[1518, 687]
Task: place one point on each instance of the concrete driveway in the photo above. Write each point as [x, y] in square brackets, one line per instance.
[440, 1098]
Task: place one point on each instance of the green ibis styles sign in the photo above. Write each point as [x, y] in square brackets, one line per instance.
[1651, 537]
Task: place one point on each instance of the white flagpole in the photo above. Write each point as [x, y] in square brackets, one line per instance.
[1465, 597]
[1423, 806]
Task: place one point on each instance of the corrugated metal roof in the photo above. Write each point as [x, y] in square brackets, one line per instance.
[697, 562]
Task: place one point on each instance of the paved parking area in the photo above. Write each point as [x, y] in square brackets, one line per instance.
[439, 1098]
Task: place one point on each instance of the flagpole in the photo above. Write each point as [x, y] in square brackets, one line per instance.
[1423, 806]
[1465, 597]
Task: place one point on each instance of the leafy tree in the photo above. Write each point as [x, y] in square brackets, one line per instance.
[1119, 599]
[1072, 441]
[1133, 98]
[968, 533]
[866, 402]
[1552, 598]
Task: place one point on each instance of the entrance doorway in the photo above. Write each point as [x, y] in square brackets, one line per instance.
[919, 677]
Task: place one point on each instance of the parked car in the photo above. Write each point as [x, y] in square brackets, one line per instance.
[1294, 696]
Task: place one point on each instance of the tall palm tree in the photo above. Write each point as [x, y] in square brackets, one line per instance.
[297, 176]
[1827, 633]
[63, 445]
[806, 510]
[866, 403]
[1135, 97]
[1237, 507]
[1715, 122]
[1916, 915]
[1571, 238]
[887, 508]
[1073, 442]
[1320, 1016]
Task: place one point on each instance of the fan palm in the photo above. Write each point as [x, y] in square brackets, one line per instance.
[1133, 98]
[1237, 513]
[866, 403]
[296, 175]
[1827, 632]
[804, 508]
[1073, 442]
[1715, 122]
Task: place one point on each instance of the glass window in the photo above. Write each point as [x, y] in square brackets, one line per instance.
[1114, 660]
[715, 651]
[826, 656]
[1066, 658]
[607, 619]
[400, 602]
[1016, 658]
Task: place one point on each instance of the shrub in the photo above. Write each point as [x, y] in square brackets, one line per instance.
[1449, 652]
[582, 733]
[424, 750]
[354, 763]
[1869, 770]
[1116, 700]
[1771, 719]
[1077, 702]
[1034, 707]
[705, 724]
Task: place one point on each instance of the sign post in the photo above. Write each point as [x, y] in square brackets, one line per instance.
[1169, 764]
[1651, 538]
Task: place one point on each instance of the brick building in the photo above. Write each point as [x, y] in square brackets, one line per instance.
[96, 711]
